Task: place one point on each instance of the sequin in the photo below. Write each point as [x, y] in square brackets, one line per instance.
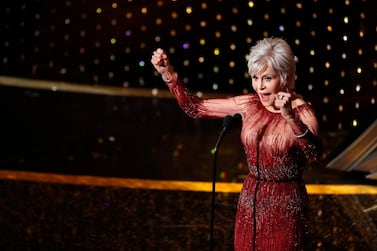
[272, 206]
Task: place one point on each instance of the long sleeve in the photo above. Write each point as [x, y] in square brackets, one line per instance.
[196, 107]
[310, 143]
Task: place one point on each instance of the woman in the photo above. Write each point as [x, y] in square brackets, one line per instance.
[279, 134]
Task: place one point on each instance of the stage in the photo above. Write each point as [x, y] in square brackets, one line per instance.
[97, 155]
[84, 171]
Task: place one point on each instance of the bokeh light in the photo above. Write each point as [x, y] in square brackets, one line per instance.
[110, 43]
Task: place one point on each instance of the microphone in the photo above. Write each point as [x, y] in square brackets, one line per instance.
[227, 124]
[237, 117]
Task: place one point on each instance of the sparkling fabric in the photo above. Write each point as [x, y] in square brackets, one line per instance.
[272, 206]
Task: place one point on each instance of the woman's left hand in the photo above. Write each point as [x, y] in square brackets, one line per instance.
[283, 103]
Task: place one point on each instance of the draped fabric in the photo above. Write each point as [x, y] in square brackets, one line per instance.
[273, 202]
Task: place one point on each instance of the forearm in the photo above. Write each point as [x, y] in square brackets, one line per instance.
[299, 129]
[306, 135]
[197, 107]
[187, 100]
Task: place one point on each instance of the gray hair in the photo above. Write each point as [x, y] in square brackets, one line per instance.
[277, 54]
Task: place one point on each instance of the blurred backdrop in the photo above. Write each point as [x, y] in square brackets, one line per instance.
[110, 43]
[78, 96]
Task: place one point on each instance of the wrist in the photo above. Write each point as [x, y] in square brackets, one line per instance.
[299, 136]
[168, 77]
[299, 129]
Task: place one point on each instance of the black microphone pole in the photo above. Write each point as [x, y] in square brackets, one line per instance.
[225, 128]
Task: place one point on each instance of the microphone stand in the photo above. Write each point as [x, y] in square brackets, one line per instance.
[226, 124]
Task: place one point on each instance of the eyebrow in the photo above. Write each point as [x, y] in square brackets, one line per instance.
[267, 74]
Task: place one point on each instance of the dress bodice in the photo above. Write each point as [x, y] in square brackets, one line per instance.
[271, 211]
[272, 152]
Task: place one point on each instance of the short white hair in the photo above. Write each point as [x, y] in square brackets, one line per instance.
[277, 54]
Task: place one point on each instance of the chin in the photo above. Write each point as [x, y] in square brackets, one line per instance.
[267, 102]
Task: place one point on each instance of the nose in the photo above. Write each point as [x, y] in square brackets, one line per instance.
[260, 84]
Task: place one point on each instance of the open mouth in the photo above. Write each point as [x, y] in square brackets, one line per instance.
[264, 96]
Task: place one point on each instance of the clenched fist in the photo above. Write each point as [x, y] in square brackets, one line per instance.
[161, 63]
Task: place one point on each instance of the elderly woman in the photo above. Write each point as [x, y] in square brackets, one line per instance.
[279, 135]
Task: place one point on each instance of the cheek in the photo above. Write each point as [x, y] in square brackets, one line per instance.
[275, 86]
[254, 88]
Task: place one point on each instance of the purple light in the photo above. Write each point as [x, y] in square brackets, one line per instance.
[128, 33]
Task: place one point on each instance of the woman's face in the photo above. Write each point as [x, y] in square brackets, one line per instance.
[267, 84]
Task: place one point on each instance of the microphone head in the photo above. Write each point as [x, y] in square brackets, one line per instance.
[227, 121]
[237, 117]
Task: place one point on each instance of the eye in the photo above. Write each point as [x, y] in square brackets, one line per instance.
[267, 78]
[254, 78]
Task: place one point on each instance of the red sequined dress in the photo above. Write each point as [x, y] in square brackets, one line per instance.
[272, 207]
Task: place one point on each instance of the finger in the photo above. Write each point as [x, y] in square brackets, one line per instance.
[160, 54]
[158, 57]
[155, 60]
[279, 96]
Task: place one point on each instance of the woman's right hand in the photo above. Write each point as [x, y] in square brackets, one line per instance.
[161, 62]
